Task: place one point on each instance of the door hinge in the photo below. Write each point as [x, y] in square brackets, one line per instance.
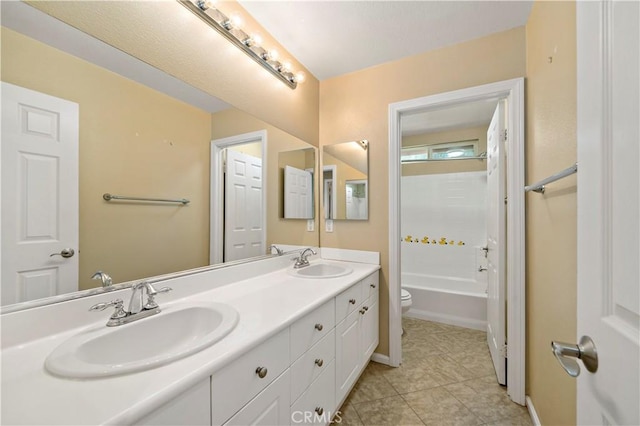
[505, 200]
[505, 134]
[503, 351]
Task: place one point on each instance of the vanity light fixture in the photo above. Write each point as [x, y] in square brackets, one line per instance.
[230, 28]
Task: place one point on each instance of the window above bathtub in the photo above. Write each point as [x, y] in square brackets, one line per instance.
[442, 151]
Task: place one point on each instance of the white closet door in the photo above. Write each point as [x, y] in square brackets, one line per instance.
[298, 193]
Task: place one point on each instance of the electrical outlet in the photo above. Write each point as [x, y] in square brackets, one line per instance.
[328, 225]
[311, 225]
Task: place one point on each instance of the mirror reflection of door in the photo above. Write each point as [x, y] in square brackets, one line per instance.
[330, 206]
[298, 193]
[356, 193]
[244, 234]
[39, 195]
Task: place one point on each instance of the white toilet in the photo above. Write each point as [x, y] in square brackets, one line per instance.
[405, 298]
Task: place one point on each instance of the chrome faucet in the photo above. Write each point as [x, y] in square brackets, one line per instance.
[103, 277]
[278, 250]
[302, 260]
[137, 309]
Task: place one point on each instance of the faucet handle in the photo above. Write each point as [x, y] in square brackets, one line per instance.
[151, 293]
[117, 303]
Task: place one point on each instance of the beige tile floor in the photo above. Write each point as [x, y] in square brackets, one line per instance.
[446, 378]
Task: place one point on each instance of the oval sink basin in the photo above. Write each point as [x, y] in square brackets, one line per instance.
[321, 270]
[174, 333]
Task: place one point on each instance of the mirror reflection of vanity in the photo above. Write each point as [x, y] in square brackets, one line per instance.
[140, 142]
[345, 188]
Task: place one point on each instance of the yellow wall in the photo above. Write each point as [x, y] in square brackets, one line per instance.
[355, 106]
[233, 122]
[133, 141]
[448, 166]
[551, 218]
[171, 38]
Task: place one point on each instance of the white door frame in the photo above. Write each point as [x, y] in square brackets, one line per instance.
[334, 209]
[513, 91]
[216, 242]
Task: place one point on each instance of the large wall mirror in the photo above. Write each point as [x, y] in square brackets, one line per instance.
[133, 140]
[345, 177]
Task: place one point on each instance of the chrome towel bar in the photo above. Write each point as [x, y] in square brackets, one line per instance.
[539, 186]
[109, 197]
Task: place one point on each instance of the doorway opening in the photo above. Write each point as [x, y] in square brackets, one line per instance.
[501, 167]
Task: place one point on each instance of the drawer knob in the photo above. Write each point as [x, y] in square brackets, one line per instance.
[319, 410]
[319, 327]
[261, 372]
[319, 362]
[366, 308]
[352, 301]
[372, 285]
[362, 311]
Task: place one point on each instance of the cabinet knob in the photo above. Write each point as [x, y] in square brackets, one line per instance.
[319, 327]
[261, 372]
[352, 301]
[319, 362]
[319, 410]
[366, 308]
[362, 311]
[372, 285]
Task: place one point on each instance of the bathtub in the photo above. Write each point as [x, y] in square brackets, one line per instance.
[447, 300]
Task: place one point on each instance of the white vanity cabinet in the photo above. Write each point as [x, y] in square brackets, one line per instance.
[356, 332]
[189, 408]
[298, 376]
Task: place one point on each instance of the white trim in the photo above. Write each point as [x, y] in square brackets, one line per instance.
[334, 206]
[447, 319]
[513, 90]
[532, 412]
[216, 228]
[379, 358]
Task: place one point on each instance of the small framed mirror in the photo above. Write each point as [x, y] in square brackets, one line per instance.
[345, 177]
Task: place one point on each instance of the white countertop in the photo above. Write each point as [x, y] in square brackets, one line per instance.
[266, 303]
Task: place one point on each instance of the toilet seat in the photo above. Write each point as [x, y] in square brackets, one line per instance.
[405, 295]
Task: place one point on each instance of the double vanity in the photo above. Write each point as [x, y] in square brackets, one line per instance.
[247, 344]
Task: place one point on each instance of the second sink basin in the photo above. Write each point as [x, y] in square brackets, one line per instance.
[174, 333]
[321, 270]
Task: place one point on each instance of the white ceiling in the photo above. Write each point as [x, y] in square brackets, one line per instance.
[332, 38]
[460, 116]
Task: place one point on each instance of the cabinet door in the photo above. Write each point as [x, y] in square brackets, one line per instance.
[348, 354]
[369, 332]
[270, 407]
[189, 408]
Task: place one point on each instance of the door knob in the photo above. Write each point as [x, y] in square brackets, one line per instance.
[66, 253]
[585, 350]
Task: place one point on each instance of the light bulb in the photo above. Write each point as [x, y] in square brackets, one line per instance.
[300, 77]
[286, 66]
[236, 21]
[257, 39]
[273, 55]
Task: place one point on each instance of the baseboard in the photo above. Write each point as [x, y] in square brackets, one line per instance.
[381, 359]
[532, 412]
[447, 319]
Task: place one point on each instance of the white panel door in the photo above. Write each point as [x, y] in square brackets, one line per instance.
[496, 240]
[244, 234]
[298, 193]
[39, 195]
[608, 39]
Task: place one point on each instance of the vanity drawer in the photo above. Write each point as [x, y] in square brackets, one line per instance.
[308, 330]
[310, 365]
[348, 301]
[370, 287]
[318, 402]
[234, 385]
